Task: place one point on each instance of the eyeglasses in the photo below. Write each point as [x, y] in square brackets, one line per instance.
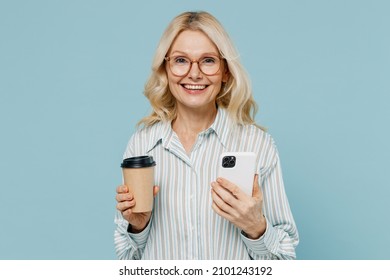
[181, 65]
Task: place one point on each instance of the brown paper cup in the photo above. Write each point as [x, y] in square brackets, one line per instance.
[140, 180]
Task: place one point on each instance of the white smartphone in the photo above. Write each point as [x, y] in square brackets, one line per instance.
[238, 168]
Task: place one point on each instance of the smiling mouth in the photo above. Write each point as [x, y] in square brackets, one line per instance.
[194, 87]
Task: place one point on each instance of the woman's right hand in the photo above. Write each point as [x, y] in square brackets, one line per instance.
[126, 202]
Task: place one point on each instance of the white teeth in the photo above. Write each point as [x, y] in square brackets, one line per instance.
[195, 87]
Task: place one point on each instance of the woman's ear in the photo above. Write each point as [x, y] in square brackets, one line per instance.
[226, 75]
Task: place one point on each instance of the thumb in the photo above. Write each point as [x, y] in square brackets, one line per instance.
[256, 193]
[156, 189]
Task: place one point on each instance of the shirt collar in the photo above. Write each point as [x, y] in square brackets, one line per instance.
[221, 127]
[160, 132]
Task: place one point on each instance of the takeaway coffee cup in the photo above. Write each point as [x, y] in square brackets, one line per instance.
[138, 175]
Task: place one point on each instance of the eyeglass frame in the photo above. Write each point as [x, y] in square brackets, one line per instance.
[192, 61]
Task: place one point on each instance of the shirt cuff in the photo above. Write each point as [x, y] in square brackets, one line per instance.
[141, 237]
[265, 244]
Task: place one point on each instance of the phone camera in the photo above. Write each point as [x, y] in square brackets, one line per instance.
[229, 161]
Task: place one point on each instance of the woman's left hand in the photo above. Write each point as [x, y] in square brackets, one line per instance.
[245, 212]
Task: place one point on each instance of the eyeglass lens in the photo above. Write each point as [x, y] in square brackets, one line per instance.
[181, 65]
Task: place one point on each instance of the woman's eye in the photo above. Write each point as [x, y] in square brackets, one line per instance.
[208, 60]
[181, 60]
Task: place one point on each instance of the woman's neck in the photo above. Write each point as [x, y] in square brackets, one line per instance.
[188, 124]
[194, 121]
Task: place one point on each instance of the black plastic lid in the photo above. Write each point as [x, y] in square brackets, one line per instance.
[138, 162]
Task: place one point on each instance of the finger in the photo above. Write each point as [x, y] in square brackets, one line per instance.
[127, 212]
[256, 193]
[232, 188]
[156, 189]
[224, 194]
[124, 196]
[122, 189]
[221, 213]
[256, 188]
[220, 203]
[123, 206]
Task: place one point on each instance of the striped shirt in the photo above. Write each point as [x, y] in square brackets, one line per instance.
[183, 224]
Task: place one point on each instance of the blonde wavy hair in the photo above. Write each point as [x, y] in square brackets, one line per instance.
[235, 95]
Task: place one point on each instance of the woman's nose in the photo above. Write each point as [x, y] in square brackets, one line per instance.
[195, 72]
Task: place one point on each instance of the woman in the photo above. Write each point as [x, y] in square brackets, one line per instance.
[203, 106]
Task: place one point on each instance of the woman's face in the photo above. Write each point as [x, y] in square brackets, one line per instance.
[195, 90]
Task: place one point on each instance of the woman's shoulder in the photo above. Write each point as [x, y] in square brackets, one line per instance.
[147, 130]
[148, 133]
[255, 131]
[146, 137]
[255, 139]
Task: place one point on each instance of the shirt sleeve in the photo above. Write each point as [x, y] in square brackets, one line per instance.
[281, 236]
[129, 246]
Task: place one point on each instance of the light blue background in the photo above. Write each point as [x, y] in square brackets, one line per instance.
[71, 82]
